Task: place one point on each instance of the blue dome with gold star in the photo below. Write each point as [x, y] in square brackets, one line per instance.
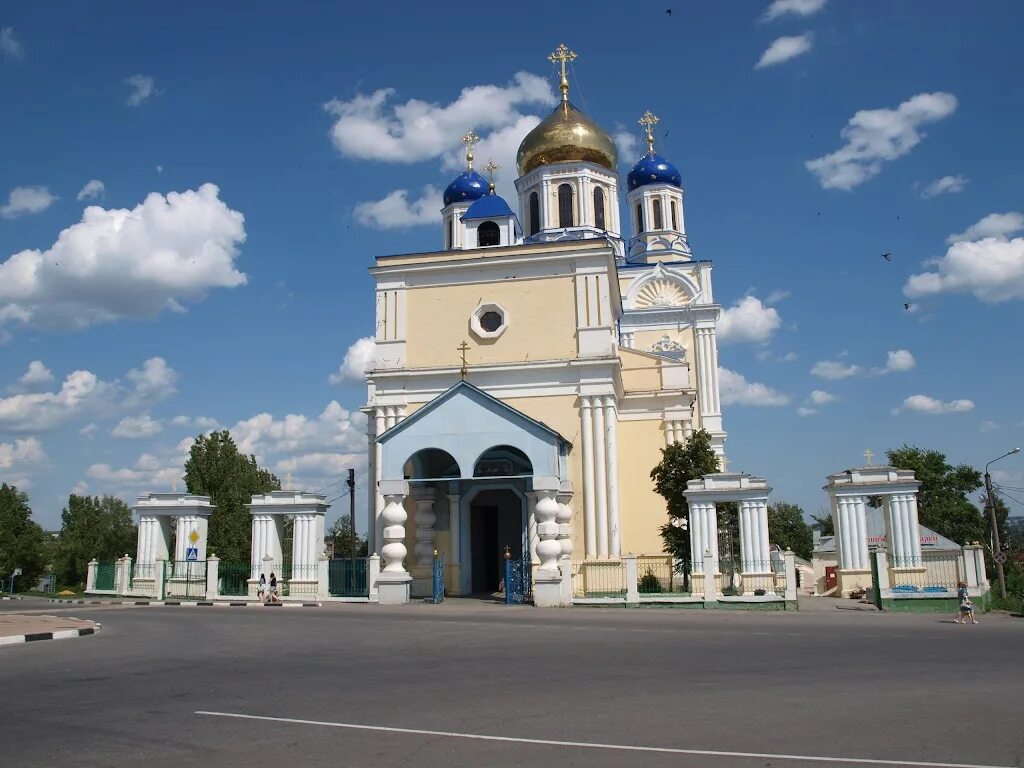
[467, 186]
[653, 169]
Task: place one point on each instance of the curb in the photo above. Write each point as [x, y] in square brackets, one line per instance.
[62, 634]
[189, 604]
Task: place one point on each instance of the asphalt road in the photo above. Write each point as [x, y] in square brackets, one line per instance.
[418, 686]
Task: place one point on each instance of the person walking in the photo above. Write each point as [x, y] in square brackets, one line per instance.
[273, 589]
[965, 611]
[261, 589]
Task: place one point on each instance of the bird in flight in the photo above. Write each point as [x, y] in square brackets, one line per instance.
[668, 12]
[907, 306]
[887, 256]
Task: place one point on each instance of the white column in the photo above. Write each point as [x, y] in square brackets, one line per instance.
[454, 529]
[611, 419]
[532, 539]
[601, 479]
[394, 517]
[669, 432]
[696, 523]
[915, 528]
[711, 533]
[845, 536]
[895, 531]
[390, 416]
[747, 555]
[564, 520]
[378, 452]
[371, 495]
[858, 520]
[762, 553]
[707, 371]
[425, 519]
[679, 434]
[546, 511]
[589, 519]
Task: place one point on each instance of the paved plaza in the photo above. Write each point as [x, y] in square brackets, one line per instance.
[476, 684]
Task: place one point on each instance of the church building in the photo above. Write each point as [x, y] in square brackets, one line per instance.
[529, 371]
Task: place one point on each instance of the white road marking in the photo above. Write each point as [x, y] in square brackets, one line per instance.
[597, 745]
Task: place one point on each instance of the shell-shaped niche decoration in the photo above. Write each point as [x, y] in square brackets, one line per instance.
[661, 293]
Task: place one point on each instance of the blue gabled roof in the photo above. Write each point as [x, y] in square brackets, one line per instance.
[488, 207]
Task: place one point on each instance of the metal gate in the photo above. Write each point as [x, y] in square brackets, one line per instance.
[728, 560]
[234, 579]
[439, 571]
[347, 577]
[185, 580]
[518, 578]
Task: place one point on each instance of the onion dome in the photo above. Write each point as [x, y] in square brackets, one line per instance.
[563, 136]
[653, 169]
[468, 185]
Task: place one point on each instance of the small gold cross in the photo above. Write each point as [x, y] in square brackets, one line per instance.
[649, 120]
[469, 140]
[491, 167]
[563, 54]
[868, 454]
[464, 371]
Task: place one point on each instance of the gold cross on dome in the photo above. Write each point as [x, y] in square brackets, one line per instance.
[648, 121]
[491, 167]
[868, 454]
[469, 140]
[464, 371]
[562, 54]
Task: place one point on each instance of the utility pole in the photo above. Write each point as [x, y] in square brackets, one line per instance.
[352, 511]
[997, 549]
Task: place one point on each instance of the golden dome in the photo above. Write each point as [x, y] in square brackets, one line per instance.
[566, 135]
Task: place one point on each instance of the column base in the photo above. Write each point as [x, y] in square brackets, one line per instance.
[850, 580]
[393, 588]
[565, 593]
[547, 589]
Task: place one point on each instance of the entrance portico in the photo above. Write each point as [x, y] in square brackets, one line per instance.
[469, 475]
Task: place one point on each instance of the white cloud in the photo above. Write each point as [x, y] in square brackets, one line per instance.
[795, 7]
[625, 143]
[875, 136]
[150, 473]
[897, 361]
[776, 296]
[89, 430]
[368, 127]
[988, 426]
[947, 185]
[925, 404]
[93, 188]
[748, 320]
[335, 429]
[736, 390]
[21, 454]
[821, 397]
[153, 381]
[143, 86]
[136, 427]
[981, 261]
[805, 411]
[834, 370]
[993, 225]
[81, 392]
[9, 44]
[122, 263]
[396, 211]
[26, 200]
[784, 49]
[37, 376]
[202, 423]
[358, 360]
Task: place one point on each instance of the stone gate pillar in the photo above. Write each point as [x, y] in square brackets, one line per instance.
[547, 579]
[394, 581]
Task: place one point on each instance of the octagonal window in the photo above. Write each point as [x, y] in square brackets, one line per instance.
[489, 321]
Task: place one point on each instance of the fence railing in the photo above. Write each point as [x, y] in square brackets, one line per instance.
[233, 579]
[186, 579]
[105, 576]
[932, 572]
[597, 578]
[656, 575]
[143, 578]
[347, 577]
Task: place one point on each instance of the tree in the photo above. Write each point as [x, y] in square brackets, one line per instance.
[680, 463]
[788, 529]
[215, 468]
[91, 527]
[942, 500]
[21, 540]
[824, 523]
[341, 532]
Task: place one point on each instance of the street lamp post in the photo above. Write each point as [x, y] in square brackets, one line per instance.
[996, 546]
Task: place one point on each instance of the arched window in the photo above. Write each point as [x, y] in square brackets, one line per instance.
[599, 208]
[675, 216]
[639, 218]
[488, 234]
[565, 217]
[534, 213]
[658, 223]
[451, 234]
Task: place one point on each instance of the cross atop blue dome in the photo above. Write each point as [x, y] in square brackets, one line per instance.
[653, 169]
[467, 186]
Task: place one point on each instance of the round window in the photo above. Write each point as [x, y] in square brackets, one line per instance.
[491, 321]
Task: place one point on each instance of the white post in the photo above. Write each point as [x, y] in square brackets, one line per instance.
[564, 520]
[601, 480]
[160, 577]
[882, 563]
[394, 580]
[212, 577]
[611, 425]
[323, 577]
[589, 518]
[789, 559]
[566, 592]
[710, 585]
[547, 580]
[632, 579]
[124, 586]
[372, 576]
[90, 575]
[118, 574]
[378, 454]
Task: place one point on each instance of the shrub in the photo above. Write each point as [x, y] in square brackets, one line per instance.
[649, 583]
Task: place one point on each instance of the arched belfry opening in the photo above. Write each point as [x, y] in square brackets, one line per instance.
[431, 464]
[502, 461]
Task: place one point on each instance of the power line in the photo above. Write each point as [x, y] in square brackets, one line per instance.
[1001, 492]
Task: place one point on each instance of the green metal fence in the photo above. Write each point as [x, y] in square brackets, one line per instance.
[142, 578]
[656, 575]
[347, 577]
[233, 579]
[597, 578]
[105, 576]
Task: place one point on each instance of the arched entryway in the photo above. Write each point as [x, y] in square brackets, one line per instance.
[496, 519]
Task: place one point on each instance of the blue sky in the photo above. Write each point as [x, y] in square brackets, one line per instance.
[236, 303]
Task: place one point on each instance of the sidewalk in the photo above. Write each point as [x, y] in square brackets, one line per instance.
[19, 628]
